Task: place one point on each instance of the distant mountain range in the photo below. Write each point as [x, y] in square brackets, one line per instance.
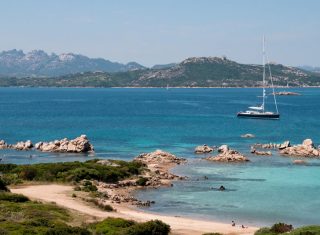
[38, 63]
[310, 68]
[192, 72]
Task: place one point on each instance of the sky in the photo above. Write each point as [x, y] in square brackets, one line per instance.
[164, 31]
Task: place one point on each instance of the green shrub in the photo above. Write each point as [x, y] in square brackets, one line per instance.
[12, 197]
[142, 181]
[67, 230]
[27, 217]
[112, 226]
[3, 185]
[3, 231]
[264, 231]
[84, 173]
[306, 230]
[89, 187]
[106, 207]
[77, 188]
[101, 205]
[12, 178]
[153, 227]
[28, 173]
[281, 228]
[71, 171]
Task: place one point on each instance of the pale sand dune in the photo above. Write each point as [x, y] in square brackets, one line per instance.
[61, 195]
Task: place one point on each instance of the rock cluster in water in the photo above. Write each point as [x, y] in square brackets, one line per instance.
[263, 153]
[159, 157]
[227, 155]
[284, 145]
[18, 146]
[306, 149]
[159, 163]
[80, 144]
[202, 149]
[286, 93]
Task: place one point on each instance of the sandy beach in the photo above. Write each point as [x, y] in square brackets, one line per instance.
[61, 195]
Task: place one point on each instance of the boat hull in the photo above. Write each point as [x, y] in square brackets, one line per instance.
[260, 115]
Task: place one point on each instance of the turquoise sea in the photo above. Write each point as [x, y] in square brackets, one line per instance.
[122, 123]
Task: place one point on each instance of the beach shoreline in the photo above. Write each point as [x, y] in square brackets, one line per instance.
[62, 196]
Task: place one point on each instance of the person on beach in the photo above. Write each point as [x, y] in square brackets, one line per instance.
[233, 223]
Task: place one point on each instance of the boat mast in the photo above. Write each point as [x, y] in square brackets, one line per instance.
[264, 74]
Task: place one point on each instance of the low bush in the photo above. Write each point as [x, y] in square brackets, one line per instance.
[3, 185]
[18, 215]
[68, 230]
[12, 197]
[88, 187]
[77, 188]
[71, 171]
[101, 205]
[112, 226]
[153, 227]
[142, 181]
[281, 228]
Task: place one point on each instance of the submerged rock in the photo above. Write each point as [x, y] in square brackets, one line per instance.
[228, 155]
[248, 136]
[80, 144]
[203, 149]
[222, 188]
[300, 162]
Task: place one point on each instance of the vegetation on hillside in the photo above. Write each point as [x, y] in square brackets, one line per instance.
[70, 172]
[192, 72]
[282, 228]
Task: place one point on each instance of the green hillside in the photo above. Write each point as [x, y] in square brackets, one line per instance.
[192, 72]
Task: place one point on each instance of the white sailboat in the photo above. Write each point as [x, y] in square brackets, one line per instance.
[260, 111]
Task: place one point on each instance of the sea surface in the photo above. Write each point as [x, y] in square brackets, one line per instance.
[121, 123]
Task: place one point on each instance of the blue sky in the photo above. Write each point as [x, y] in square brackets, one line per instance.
[157, 32]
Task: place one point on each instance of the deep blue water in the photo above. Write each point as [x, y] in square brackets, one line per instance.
[122, 123]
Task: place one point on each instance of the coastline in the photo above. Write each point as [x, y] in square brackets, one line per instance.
[177, 87]
[62, 196]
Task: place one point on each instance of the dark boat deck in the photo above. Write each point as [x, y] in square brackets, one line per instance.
[260, 116]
